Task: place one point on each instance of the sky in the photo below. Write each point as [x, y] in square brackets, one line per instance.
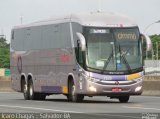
[143, 12]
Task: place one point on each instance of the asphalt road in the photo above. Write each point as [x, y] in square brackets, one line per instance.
[91, 108]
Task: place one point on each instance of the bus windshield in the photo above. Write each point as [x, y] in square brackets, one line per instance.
[114, 49]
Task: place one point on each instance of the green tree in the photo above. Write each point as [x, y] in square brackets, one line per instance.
[4, 53]
[155, 40]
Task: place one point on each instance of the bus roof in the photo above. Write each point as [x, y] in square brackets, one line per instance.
[93, 19]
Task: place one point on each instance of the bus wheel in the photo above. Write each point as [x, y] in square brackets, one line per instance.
[124, 99]
[32, 94]
[25, 90]
[72, 95]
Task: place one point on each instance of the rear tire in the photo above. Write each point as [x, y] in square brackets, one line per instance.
[25, 90]
[72, 96]
[33, 95]
[124, 99]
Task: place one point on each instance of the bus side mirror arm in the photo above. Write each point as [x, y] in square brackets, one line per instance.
[82, 41]
[148, 42]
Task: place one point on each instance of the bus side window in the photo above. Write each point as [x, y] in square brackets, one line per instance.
[80, 55]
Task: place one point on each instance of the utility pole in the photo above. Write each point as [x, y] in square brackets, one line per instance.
[152, 53]
[21, 19]
[157, 49]
[146, 55]
[2, 34]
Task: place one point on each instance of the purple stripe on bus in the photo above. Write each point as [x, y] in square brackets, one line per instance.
[51, 89]
[109, 77]
[119, 78]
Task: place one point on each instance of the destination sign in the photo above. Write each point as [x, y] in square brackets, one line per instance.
[126, 36]
[99, 31]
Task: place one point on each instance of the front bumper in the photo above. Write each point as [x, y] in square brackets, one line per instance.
[106, 88]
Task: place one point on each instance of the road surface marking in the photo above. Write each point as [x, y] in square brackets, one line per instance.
[36, 108]
[141, 108]
[148, 96]
[9, 92]
[115, 115]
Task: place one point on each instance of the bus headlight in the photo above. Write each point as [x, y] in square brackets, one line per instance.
[92, 88]
[138, 88]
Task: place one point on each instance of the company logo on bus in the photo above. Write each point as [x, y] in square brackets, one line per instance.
[19, 64]
[64, 58]
[116, 83]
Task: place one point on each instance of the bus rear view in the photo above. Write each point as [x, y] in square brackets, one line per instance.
[102, 56]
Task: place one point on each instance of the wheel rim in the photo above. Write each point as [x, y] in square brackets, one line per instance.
[73, 92]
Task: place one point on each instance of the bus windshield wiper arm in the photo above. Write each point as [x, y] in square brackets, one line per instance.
[124, 54]
[125, 60]
[107, 62]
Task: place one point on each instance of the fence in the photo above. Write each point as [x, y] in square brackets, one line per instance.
[4, 72]
[152, 67]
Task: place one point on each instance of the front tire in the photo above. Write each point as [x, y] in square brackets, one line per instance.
[124, 99]
[72, 96]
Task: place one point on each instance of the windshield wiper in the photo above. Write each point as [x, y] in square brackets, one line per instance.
[107, 62]
[124, 54]
[125, 60]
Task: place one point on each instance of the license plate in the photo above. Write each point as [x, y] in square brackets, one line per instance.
[116, 89]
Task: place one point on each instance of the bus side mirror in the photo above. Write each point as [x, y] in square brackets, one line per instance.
[148, 42]
[82, 41]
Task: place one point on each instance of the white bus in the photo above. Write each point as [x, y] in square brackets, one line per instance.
[92, 54]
